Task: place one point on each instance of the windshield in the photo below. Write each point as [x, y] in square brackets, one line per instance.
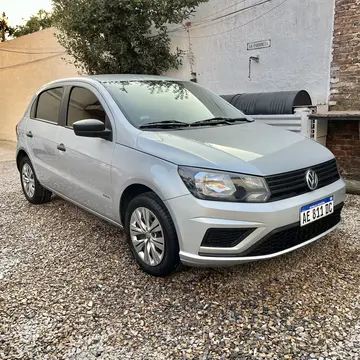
[145, 101]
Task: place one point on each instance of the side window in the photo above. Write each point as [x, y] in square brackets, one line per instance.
[33, 109]
[48, 105]
[83, 104]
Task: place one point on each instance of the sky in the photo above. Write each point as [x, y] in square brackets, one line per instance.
[17, 10]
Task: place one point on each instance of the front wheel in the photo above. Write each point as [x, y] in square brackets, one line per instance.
[152, 236]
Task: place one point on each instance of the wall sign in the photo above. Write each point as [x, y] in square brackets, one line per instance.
[259, 45]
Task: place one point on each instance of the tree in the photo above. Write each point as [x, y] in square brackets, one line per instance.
[121, 36]
[5, 29]
[42, 20]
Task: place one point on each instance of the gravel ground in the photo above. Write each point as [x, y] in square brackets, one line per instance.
[69, 289]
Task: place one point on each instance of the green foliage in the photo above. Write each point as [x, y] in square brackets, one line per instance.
[5, 29]
[40, 21]
[121, 36]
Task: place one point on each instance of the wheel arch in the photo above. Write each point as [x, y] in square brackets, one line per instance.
[129, 193]
[19, 156]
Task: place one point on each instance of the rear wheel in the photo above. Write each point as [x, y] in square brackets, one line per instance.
[33, 191]
[152, 236]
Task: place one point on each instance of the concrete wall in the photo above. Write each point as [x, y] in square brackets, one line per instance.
[26, 64]
[299, 56]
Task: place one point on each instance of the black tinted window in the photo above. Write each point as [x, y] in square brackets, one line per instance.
[49, 105]
[84, 104]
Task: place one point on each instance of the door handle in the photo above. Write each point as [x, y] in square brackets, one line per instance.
[61, 147]
[29, 134]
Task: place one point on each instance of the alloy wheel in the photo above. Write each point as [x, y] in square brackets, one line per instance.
[147, 236]
[28, 180]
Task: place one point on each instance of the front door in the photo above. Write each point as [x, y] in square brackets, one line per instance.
[86, 162]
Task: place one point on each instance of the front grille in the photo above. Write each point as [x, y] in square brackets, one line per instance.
[286, 185]
[225, 238]
[287, 238]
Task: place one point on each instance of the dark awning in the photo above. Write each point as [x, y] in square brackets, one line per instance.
[269, 103]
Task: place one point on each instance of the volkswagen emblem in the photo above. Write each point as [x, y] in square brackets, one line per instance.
[312, 179]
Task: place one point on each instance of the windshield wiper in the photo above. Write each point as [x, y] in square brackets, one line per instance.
[164, 124]
[168, 124]
[219, 121]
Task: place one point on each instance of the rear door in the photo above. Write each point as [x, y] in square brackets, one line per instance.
[85, 163]
[41, 136]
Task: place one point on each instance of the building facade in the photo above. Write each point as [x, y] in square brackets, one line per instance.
[292, 39]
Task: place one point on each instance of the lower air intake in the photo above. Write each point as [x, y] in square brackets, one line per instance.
[225, 238]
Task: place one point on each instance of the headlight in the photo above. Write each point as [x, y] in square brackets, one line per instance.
[222, 186]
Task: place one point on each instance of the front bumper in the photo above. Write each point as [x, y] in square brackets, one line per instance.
[193, 217]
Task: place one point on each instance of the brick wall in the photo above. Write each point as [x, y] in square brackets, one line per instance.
[343, 136]
[345, 67]
[343, 141]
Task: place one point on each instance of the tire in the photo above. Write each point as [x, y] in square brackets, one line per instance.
[38, 194]
[169, 260]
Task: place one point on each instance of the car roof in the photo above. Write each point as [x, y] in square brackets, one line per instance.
[107, 78]
[128, 77]
[116, 77]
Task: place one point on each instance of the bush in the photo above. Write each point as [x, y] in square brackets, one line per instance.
[121, 36]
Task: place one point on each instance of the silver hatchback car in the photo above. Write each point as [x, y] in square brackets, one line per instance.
[190, 178]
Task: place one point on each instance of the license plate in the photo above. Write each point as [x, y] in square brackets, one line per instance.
[316, 211]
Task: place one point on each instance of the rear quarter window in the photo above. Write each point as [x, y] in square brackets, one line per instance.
[33, 109]
[48, 105]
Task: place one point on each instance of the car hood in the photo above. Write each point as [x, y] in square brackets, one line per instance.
[249, 148]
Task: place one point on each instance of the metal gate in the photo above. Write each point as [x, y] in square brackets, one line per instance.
[298, 122]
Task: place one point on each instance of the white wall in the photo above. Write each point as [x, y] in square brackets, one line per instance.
[299, 56]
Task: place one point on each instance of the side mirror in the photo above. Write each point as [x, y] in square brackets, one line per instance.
[91, 128]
